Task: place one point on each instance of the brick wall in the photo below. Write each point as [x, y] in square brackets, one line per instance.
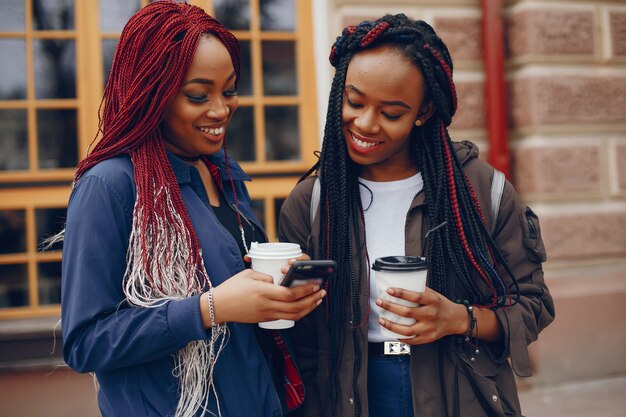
[566, 87]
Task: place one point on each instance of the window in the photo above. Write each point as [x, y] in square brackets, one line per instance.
[55, 56]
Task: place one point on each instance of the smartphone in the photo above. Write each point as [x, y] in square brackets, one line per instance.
[308, 272]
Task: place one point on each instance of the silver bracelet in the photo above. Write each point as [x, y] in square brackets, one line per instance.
[211, 308]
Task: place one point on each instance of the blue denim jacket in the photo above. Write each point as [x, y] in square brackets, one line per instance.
[130, 349]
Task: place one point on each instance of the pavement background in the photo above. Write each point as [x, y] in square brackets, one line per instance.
[594, 398]
[64, 393]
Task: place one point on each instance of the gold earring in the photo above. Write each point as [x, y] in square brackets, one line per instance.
[418, 122]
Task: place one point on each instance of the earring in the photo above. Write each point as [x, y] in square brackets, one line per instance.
[418, 123]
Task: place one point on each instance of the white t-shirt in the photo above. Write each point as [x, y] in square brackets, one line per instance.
[385, 212]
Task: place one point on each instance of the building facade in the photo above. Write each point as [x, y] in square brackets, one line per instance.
[565, 88]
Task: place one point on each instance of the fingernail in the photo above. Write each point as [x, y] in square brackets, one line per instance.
[379, 302]
[319, 302]
[381, 322]
[390, 291]
[316, 288]
[323, 292]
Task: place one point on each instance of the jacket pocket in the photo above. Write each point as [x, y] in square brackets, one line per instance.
[535, 250]
[491, 394]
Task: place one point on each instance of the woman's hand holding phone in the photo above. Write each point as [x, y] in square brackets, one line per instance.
[308, 272]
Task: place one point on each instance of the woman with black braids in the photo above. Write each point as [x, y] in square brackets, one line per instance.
[389, 176]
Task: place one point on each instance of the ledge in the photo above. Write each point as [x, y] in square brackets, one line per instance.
[30, 344]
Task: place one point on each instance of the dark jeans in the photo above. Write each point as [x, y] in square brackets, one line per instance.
[389, 387]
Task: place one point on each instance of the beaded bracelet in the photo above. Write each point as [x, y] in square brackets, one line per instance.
[211, 308]
[473, 329]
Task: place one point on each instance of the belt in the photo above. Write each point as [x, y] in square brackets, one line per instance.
[387, 349]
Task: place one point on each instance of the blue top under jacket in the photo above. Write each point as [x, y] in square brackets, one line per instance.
[130, 349]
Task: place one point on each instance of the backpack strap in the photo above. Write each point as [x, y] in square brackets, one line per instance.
[315, 199]
[497, 188]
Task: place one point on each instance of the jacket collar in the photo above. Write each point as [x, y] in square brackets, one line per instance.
[466, 151]
[183, 170]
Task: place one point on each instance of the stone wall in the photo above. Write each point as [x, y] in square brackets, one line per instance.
[566, 88]
[567, 92]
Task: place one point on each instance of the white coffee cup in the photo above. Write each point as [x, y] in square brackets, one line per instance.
[268, 259]
[406, 272]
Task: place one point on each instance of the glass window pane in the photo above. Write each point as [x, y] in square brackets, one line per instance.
[240, 135]
[13, 15]
[55, 68]
[279, 68]
[108, 49]
[233, 14]
[57, 138]
[13, 140]
[278, 15]
[49, 222]
[245, 82]
[258, 206]
[282, 133]
[53, 14]
[13, 70]
[278, 203]
[13, 285]
[12, 231]
[115, 13]
[50, 283]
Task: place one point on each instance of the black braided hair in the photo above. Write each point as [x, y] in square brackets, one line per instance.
[464, 246]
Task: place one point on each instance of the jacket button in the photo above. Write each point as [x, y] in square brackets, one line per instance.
[351, 401]
[494, 398]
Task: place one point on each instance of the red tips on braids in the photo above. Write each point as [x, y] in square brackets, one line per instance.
[374, 33]
[446, 68]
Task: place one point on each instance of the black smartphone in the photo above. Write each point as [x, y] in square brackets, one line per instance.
[308, 272]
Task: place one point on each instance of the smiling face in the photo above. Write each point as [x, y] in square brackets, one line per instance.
[382, 100]
[196, 122]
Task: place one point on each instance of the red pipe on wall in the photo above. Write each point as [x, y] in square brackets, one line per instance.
[495, 90]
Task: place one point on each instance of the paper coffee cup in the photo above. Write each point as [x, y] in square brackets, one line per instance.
[406, 272]
[268, 258]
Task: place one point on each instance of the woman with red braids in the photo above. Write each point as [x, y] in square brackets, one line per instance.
[156, 300]
[393, 183]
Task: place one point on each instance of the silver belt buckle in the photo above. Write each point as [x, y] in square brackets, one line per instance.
[396, 348]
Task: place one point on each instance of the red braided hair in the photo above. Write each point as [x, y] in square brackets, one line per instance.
[448, 72]
[457, 217]
[150, 64]
[373, 33]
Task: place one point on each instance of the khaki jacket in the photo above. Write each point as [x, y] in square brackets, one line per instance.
[444, 380]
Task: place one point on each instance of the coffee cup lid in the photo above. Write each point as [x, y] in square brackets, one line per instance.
[274, 250]
[399, 263]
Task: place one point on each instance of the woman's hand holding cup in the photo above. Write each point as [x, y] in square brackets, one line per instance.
[284, 305]
[252, 297]
[435, 316]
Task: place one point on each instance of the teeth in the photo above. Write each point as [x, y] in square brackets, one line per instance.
[212, 131]
[362, 144]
